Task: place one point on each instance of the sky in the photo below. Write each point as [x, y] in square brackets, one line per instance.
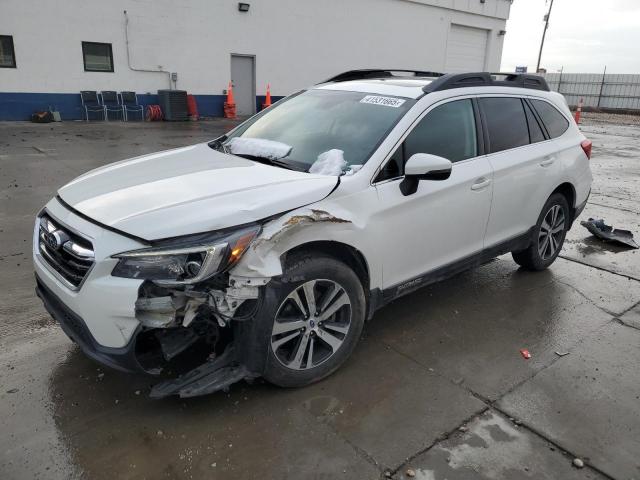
[583, 36]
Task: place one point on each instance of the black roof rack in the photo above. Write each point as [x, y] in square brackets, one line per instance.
[486, 79]
[380, 73]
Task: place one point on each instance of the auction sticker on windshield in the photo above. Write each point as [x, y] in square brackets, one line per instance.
[384, 101]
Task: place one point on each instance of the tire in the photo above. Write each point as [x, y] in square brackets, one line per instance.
[544, 248]
[324, 279]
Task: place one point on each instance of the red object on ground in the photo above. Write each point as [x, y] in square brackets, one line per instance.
[525, 354]
[586, 146]
[230, 104]
[579, 111]
[267, 100]
[154, 113]
[192, 107]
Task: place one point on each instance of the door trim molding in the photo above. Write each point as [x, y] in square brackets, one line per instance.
[379, 298]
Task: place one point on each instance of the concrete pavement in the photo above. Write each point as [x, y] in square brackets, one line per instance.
[436, 389]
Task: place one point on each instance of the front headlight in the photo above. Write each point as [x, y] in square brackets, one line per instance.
[185, 260]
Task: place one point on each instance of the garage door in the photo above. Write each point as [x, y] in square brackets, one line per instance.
[466, 49]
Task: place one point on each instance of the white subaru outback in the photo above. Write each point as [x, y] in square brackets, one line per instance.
[262, 252]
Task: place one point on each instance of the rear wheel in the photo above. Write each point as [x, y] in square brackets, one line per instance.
[548, 235]
[317, 323]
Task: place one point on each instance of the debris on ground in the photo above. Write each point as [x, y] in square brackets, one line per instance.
[598, 228]
[525, 354]
[578, 463]
[562, 354]
[410, 472]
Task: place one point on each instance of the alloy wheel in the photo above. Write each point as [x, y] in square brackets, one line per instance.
[551, 232]
[311, 324]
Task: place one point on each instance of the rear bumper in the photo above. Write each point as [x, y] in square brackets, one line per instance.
[123, 358]
[579, 208]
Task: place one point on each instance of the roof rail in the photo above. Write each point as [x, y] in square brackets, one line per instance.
[486, 79]
[380, 73]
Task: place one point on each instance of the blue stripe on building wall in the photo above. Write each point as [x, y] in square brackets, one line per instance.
[20, 106]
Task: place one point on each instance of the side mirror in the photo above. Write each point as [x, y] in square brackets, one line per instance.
[424, 166]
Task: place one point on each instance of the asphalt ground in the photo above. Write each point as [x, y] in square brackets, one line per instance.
[436, 389]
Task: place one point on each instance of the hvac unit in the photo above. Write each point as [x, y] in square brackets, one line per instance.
[174, 105]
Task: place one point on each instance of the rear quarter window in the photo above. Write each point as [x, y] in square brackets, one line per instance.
[553, 120]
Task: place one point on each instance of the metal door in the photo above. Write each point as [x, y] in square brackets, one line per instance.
[244, 84]
[466, 49]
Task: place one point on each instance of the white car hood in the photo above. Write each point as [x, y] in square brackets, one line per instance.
[189, 190]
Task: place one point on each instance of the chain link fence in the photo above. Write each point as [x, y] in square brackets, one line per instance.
[599, 91]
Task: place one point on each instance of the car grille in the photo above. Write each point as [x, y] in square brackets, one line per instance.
[70, 255]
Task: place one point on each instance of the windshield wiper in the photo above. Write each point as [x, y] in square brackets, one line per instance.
[271, 161]
[219, 145]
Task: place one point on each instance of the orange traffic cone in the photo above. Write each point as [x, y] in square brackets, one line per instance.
[267, 100]
[230, 99]
[230, 104]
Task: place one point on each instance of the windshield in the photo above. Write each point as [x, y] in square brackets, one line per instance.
[329, 128]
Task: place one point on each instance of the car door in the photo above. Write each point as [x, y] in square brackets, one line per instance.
[523, 163]
[444, 220]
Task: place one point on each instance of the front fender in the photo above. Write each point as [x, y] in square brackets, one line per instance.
[324, 221]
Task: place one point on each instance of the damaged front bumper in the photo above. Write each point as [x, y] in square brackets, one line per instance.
[123, 358]
[173, 323]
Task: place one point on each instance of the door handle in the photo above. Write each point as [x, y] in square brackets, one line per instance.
[481, 183]
[547, 161]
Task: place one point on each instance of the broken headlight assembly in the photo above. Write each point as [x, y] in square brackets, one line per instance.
[185, 260]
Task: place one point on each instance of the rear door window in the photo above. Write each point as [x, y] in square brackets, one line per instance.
[506, 123]
[554, 121]
[535, 131]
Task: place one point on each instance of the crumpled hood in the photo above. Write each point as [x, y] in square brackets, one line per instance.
[189, 190]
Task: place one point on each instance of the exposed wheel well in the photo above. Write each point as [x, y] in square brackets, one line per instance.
[341, 251]
[569, 193]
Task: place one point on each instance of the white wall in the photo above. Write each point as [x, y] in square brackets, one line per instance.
[296, 42]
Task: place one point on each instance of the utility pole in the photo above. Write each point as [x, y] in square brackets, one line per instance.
[604, 75]
[544, 34]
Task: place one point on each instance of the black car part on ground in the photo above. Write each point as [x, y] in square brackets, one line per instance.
[605, 232]
[216, 374]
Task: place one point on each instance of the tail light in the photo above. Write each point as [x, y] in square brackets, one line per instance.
[586, 146]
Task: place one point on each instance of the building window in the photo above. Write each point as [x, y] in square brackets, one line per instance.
[7, 54]
[98, 57]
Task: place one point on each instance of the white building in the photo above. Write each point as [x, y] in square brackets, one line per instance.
[53, 49]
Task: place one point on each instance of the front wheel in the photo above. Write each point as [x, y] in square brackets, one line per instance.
[548, 235]
[317, 322]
